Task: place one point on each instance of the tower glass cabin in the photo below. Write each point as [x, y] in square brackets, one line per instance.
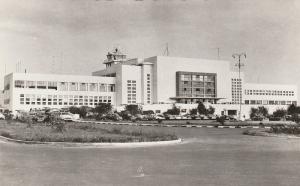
[114, 57]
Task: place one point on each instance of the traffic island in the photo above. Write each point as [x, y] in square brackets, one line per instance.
[79, 134]
[289, 131]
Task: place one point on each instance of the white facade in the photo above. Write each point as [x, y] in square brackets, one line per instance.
[156, 82]
[270, 94]
[28, 91]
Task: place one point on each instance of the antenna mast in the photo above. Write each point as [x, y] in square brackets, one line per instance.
[239, 65]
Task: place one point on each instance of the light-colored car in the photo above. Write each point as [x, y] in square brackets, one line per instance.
[66, 116]
[159, 116]
[178, 117]
[2, 116]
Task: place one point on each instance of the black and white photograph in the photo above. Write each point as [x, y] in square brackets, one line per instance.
[149, 92]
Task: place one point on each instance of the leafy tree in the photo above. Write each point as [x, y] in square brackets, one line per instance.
[201, 108]
[194, 111]
[280, 113]
[263, 111]
[258, 112]
[133, 109]
[103, 108]
[292, 109]
[253, 112]
[210, 110]
[174, 111]
[82, 111]
[74, 110]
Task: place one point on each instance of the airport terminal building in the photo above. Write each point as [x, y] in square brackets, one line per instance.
[155, 83]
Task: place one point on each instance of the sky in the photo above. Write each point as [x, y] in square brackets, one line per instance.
[73, 36]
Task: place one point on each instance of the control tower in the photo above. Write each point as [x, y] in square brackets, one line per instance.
[114, 57]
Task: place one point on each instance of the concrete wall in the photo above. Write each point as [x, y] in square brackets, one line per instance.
[164, 73]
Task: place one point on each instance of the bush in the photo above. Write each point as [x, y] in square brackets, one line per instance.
[174, 111]
[284, 129]
[82, 111]
[102, 108]
[221, 119]
[133, 109]
[193, 111]
[279, 113]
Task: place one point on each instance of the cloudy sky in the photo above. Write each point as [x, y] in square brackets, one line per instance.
[73, 36]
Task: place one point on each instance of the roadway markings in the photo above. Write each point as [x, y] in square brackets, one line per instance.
[184, 126]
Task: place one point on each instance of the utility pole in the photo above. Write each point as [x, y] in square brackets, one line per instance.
[239, 65]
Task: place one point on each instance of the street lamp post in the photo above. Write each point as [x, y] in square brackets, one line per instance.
[239, 65]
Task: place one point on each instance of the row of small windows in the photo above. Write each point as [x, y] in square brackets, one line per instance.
[131, 91]
[197, 84]
[65, 86]
[269, 102]
[36, 99]
[189, 77]
[270, 92]
[148, 89]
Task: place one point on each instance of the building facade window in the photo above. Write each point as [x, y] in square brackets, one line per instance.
[103, 88]
[148, 88]
[73, 86]
[52, 85]
[131, 91]
[93, 87]
[195, 86]
[82, 86]
[41, 84]
[19, 84]
[30, 84]
[63, 86]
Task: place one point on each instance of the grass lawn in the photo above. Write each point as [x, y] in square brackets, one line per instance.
[82, 132]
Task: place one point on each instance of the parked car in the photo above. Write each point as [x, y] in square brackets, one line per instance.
[232, 118]
[194, 116]
[178, 117]
[211, 116]
[2, 116]
[186, 116]
[159, 116]
[69, 116]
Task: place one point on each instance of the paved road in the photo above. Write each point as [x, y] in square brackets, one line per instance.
[209, 156]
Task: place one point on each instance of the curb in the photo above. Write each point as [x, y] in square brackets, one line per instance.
[186, 126]
[95, 145]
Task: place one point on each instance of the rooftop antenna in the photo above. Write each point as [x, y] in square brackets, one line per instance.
[239, 65]
[61, 61]
[53, 63]
[166, 51]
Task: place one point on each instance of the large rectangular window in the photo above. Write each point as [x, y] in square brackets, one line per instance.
[30, 84]
[41, 84]
[195, 85]
[52, 85]
[63, 86]
[103, 88]
[93, 86]
[83, 87]
[111, 88]
[19, 84]
[73, 86]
